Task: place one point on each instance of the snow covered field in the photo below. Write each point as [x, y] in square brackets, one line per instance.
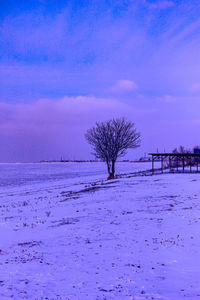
[69, 234]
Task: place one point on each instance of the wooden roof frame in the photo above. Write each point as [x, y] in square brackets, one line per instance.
[176, 154]
[184, 157]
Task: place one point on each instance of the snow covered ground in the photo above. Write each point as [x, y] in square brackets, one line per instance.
[85, 238]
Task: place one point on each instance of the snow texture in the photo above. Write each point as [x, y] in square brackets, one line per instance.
[86, 238]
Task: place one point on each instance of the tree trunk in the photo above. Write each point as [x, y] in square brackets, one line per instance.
[113, 167]
[108, 167]
[111, 173]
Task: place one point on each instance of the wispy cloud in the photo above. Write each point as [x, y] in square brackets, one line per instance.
[161, 4]
[167, 99]
[46, 55]
[123, 86]
[196, 87]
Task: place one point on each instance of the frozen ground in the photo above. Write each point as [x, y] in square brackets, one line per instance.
[20, 174]
[86, 238]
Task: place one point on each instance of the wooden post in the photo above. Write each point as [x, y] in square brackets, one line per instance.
[170, 163]
[162, 164]
[197, 165]
[152, 164]
[177, 163]
[183, 164]
[190, 164]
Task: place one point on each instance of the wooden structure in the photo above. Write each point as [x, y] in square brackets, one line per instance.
[176, 161]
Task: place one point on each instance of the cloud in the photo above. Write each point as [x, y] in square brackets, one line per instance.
[123, 86]
[47, 129]
[161, 4]
[83, 51]
[51, 55]
[167, 98]
[196, 87]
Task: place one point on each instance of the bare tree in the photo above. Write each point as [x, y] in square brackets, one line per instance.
[175, 151]
[182, 150]
[111, 139]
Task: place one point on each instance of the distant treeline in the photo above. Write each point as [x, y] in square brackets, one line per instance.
[182, 149]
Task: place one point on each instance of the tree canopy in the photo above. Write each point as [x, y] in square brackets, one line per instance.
[111, 139]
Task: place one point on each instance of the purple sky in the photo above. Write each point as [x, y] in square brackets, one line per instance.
[65, 66]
